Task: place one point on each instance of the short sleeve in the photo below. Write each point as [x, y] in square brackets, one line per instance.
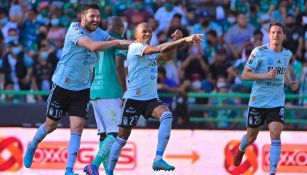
[253, 59]
[138, 48]
[104, 36]
[75, 32]
[120, 52]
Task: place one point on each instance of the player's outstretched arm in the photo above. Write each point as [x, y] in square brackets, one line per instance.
[248, 74]
[168, 46]
[166, 56]
[100, 45]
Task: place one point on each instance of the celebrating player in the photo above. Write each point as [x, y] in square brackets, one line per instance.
[71, 82]
[141, 97]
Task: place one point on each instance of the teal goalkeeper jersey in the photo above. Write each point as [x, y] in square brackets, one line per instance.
[268, 93]
[105, 83]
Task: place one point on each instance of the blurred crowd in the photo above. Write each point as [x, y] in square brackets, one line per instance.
[32, 35]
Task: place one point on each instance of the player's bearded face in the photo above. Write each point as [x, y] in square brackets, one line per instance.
[91, 19]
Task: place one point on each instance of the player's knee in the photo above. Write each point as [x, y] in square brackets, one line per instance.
[166, 115]
[124, 133]
[251, 139]
[50, 127]
[275, 134]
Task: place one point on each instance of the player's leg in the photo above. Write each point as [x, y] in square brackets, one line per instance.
[131, 111]
[114, 107]
[254, 121]
[92, 168]
[162, 112]
[107, 114]
[247, 139]
[275, 120]
[55, 111]
[116, 147]
[77, 110]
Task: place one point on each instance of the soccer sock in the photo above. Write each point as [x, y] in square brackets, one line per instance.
[243, 143]
[104, 149]
[73, 148]
[118, 144]
[164, 133]
[274, 155]
[39, 136]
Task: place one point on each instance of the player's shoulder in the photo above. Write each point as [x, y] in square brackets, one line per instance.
[287, 52]
[75, 25]
[75, 28]
[137, 45]
[262, 48]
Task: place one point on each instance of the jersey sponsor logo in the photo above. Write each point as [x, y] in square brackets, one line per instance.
[11, 151]
[130, 110]
[293, 158]
[248, 166]
[280, 70]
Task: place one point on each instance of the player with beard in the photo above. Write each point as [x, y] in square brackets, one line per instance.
[71, 82]
[141, 97]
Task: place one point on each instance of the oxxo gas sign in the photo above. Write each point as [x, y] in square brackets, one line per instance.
[192, 152]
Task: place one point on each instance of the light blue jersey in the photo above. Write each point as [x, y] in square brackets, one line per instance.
[268, 93]
[74, 71]
[142, 73]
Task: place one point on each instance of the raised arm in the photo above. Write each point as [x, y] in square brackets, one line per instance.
[100, 45]
[165, 47]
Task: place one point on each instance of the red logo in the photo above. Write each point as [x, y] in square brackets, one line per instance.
[293, 158]
[10, 154]
[53, 155]
[249, 164]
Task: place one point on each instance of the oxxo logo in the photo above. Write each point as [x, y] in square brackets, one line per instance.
[10, 154]
[293, 158]
[53, 155]
[249, 163]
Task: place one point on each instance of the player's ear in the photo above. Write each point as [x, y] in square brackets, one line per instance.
[82, 16]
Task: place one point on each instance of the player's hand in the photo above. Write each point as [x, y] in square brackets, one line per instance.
[196, 39]
[177, 35]
[272, 73]
[125, 42]
[294, 85]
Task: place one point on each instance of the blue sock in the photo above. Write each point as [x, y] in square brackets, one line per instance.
[73, 148]
[243, 144]
[164, 133]
[114, 153]
[274, 155]
[39, 136]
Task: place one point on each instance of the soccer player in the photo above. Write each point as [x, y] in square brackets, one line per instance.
[141, 97]
[106, 93]
[71, 82]
[267, 65]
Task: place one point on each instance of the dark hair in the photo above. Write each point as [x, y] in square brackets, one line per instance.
[212, 32]
[89, 6]
[258, 32]
[278, 24]
[177, 15]
[249, 48]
